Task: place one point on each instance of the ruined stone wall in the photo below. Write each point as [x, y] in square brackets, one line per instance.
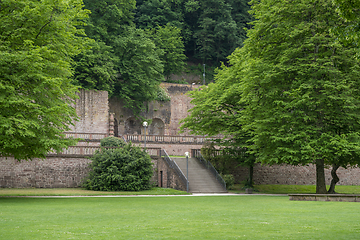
[92, 109]
[164, 116]
[180, 105]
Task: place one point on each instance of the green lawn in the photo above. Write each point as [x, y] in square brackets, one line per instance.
[81, 192]
[177, 217]
[286, 189]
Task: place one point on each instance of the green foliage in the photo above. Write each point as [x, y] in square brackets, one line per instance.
[168, 39]
[291, 94]
[162, 95]
[298, 86]
[348, 10]
[153, 13]
[95, 68]
[121, 169]
[210, 29]
[229, 180]
[123, 60]
[37, 41]
[303, 88]
[112, 142]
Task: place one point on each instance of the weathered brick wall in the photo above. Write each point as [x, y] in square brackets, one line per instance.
[92, 109]
[57, 172]
[295, 175]
[53, 172]
[167, 177]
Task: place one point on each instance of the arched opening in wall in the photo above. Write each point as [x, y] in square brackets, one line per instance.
[132, 126]
[116, 128]
[157, 127]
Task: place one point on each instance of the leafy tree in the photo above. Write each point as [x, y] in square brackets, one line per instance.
[123, 60]
[348, 10]
[168, 39]
[216, 112]
[37, 40]
[139, 68]
[301, 88]
[120, 169]
[217, 35]
[292, 91]
[153, 13]
[112, 142]
[210, 30]
[95, 68]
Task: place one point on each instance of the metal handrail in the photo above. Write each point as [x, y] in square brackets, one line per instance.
[174, 166]
[196, 153]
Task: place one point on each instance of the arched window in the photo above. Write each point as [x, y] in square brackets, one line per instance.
[157, 127]
[132, 126]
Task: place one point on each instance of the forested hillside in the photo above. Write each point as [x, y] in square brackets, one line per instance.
[138, 44]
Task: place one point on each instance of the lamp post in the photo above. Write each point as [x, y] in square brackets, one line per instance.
[145, 125]
[204, 74]
[187, 171]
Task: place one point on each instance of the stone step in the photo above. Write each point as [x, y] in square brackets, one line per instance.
[201, 180]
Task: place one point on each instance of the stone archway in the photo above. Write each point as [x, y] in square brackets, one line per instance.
[132, 126]
[157, 127]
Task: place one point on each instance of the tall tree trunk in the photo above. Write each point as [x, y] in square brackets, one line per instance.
[251, 174]
[335, 179]
[320, 177]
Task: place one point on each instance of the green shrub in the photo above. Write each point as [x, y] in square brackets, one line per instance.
[120, 169]
[162, 95]
[229, 180]
[112, 142]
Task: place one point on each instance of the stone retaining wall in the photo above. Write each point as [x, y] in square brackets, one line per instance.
[295, 175]
[63, 172]
[66, 172]
[54, 172]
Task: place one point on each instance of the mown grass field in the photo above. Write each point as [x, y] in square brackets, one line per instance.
[287, 189]
[177, 217]
[81, 192]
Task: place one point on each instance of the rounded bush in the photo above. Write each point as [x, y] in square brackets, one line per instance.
[112, 142]
[120, 169]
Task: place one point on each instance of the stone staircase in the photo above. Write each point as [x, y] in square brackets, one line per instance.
[201, 180]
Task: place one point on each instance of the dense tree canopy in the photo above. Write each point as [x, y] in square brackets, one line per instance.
[210, 29]
[123, 60]
[349, 10]
[168, 40]
[295, 87]
[302, 87]
[38, 38]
